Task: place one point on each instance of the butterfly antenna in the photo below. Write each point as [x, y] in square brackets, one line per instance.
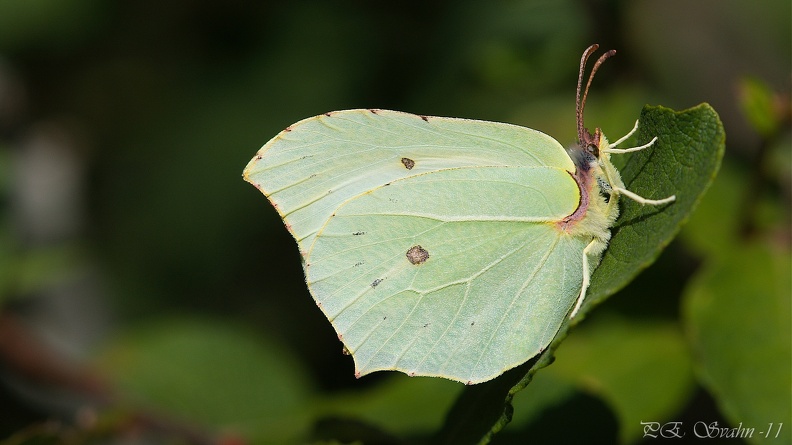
[581, 101]
[578, 105]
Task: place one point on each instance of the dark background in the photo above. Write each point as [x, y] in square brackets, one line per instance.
[125, 126]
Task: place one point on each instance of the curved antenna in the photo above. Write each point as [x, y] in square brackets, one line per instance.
[581, 102]
[578, 107]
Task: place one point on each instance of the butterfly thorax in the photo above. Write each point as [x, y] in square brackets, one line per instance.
[596, 177]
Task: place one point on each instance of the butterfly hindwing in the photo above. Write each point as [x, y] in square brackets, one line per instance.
[459, 273]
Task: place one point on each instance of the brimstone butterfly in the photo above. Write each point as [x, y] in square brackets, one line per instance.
[441, 246]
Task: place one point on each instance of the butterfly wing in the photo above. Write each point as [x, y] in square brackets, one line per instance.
[458, 273]
[429, 243]
[312, 167]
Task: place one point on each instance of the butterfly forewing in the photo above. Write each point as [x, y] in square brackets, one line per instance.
[314, 166]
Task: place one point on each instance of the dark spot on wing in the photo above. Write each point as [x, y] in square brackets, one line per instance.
[376, 282]
[373, 110]
[328, 114]
[417, 255]
[358, 233]
[408, 163]
[425, 118]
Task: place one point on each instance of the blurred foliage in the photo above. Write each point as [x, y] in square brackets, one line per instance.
[751, 384]
[242, 389]
[657, 353]
[760, 107]
[181, 284]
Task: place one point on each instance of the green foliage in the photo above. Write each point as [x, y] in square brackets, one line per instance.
[683, 162]
[760, 106]
[168, 99]
[400, 406]
[248, 394]
[615, 358]
[736, 310]
[479, 411]
[243, 390]
[639, 370]
[737, 315]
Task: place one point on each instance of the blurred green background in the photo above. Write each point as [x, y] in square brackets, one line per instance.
[149, 293]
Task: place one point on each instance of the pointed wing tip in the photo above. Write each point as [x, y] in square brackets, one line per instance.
[250, 170]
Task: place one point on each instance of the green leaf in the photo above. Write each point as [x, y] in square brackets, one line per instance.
[637, 371]
[212, 375]
[720, 220]
[548, 389]
[683, 162]
[642, 370]
[737, 313]
[400, 405]
[715, 227]
[758, 106]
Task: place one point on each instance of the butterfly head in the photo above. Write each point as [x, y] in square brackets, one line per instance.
[587, 150]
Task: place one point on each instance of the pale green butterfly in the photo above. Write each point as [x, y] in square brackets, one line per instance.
[440, 246]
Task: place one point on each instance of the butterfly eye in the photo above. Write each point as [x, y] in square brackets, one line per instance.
[591, 148]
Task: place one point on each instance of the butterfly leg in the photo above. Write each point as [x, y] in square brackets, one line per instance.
[626, 136]
[641, 200]
[612, 150]
[594, 248]
[611, 147]
[623, 191]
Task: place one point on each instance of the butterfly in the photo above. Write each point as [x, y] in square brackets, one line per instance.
[441, 246]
